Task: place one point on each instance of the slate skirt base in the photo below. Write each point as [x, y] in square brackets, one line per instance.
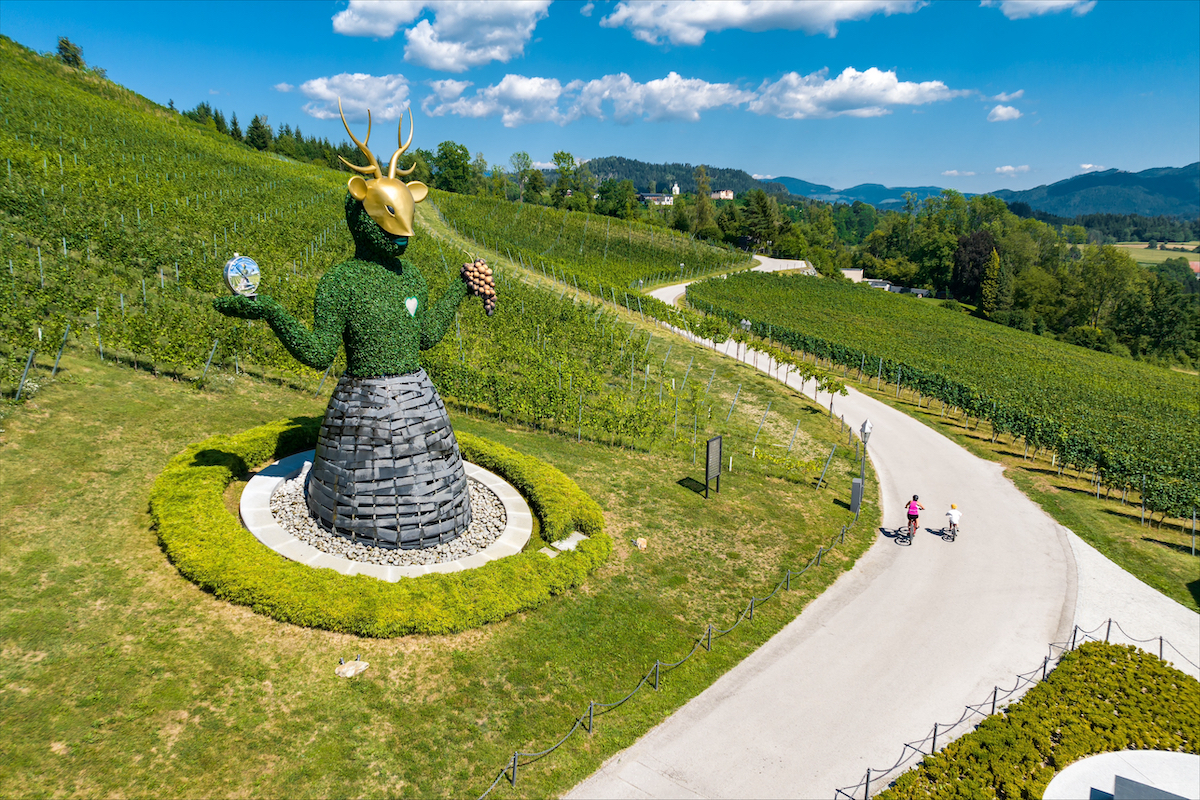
[387, 470]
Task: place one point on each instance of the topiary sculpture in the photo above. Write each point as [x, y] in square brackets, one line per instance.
[387, 469]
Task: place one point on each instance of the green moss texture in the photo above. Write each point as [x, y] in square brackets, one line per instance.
[210, 547]
[364, 304]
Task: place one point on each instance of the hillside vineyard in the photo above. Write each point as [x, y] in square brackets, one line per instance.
[1125, 419]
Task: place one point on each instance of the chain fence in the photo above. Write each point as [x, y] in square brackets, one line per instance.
[998, 698]
[653, 677]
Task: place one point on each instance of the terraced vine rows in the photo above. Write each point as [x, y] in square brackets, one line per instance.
[591, 249]
[1123, 418]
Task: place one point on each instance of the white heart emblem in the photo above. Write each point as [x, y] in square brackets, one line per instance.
[411, 305]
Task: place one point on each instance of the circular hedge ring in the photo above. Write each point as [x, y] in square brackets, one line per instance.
[209, 546]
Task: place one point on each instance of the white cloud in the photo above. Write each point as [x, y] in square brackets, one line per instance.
[385, 95]
[1003, 114]
[462, 34]
[544, 165]
[1023, 9]
[1092, 167]
[853, 93]
[587, 9]
[283, 87]
[1006, 97]
[518, 99]
[376, 18]
[1010, 171]
[685, 22]
[214, 91]
[953, 173]
[758, 177]
[672, 97]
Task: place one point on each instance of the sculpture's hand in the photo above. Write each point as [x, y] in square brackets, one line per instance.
[241, 306]
[480, 281]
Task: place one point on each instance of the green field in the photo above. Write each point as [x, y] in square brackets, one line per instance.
[1147, 257]
[1125, 419]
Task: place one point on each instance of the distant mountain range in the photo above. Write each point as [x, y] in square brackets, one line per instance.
[1173, 191]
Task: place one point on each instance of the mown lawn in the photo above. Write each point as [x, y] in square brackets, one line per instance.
[118, 677]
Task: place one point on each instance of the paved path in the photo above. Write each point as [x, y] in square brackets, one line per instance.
[906, 638]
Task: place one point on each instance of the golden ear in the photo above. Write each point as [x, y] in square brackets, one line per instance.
[419, 191]
[357, 187]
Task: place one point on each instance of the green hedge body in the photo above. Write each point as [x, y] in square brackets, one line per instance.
[210, 547]
[1101, 698]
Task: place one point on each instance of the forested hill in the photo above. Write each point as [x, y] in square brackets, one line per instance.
[663, 175]
[1171, 191]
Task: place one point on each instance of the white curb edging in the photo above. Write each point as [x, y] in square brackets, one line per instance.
[255, 509]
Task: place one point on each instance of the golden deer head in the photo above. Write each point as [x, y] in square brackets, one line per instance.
[388, 200]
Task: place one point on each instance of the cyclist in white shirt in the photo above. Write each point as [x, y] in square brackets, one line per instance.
[955, 515]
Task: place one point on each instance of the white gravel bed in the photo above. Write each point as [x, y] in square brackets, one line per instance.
[291, 513]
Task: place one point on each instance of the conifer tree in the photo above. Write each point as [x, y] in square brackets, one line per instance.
[989, 290]
[258, 135]
[235, 130]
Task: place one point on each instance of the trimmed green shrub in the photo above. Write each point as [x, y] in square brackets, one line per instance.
[1101, 698]
[210, 547]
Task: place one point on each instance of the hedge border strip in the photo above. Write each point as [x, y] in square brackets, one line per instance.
[209, 546]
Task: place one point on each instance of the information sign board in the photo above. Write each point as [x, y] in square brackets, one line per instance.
[712, 465]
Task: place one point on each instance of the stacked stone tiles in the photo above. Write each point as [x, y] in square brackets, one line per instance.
[387, 470]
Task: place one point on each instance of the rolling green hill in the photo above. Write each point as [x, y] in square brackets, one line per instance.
[1173, 191]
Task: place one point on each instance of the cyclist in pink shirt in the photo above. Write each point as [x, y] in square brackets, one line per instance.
[914, 509]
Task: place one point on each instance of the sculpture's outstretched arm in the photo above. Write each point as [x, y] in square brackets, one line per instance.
[437, 321]
[316, 348]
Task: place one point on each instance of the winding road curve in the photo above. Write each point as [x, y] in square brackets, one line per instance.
[906, 638]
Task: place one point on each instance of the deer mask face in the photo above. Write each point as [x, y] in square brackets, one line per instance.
[388, 200]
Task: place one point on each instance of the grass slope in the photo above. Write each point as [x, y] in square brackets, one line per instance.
[120, 677]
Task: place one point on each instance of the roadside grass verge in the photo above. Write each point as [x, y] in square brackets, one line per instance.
[120, 677]
[1158, 555]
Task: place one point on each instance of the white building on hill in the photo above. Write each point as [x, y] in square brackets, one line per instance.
[724, 194]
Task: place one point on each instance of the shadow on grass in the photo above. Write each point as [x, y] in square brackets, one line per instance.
[1186, 549]
[691, 483]
[1194, 588]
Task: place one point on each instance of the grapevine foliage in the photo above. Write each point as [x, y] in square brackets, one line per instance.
[1125, 419]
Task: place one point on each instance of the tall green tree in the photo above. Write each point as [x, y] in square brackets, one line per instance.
[564, 162]
[521, 164]
[235, 130]
[990, 288]
[452, 168]
[706, 218]
[70, 53]
[617, 199]
[258, 134]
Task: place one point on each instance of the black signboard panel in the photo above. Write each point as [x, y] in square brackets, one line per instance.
[712, 466]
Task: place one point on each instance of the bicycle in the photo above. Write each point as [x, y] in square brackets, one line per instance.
[905, 534]
[950, 532]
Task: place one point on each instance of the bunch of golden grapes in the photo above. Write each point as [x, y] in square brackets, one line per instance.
[478, 276]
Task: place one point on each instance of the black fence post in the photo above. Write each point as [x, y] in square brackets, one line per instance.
[935, 733]
[867, 793]
[708, 638]
[995, 691]
[513, 778]
[591, 714]
[656, 674]
[1108, 630]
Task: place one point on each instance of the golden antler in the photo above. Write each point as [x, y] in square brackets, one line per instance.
[392, 171]
[374, 168]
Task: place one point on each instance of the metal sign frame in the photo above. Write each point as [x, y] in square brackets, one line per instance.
[712, 464]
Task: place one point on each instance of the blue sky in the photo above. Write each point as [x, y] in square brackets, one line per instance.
[975, 96]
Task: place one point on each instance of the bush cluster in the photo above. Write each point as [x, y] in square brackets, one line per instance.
[1101, 698]
[210, 547]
